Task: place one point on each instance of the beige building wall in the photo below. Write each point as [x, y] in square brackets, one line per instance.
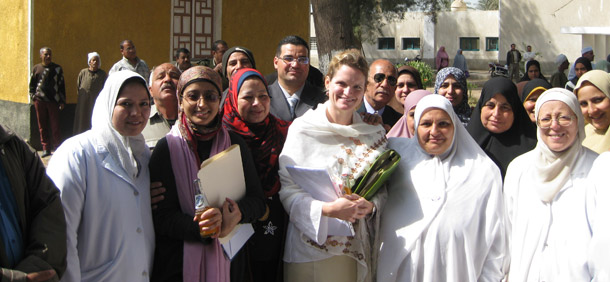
[540, 24]
[411, 26]
[446, 32]
[451, 26]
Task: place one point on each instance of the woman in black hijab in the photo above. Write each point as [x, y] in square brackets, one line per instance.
[533, 71]
[581, 66]
[531, 91]
[499, 123]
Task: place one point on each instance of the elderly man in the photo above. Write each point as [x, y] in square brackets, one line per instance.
[292, 95]
[380, 88]
[183, 59]
[586, 52]
[48, 92]
[130, 61]
[164, 113]
[513, 57]
[32, 223]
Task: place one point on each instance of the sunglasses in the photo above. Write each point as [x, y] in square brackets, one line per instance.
[380, 77]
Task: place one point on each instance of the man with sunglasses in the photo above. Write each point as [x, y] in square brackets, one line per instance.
[291, 94]
[380, 90]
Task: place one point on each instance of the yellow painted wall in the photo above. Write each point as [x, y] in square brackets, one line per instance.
[14, 50]
[75, 28]
[259, 25]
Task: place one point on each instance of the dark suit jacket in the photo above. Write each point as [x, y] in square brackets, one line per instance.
[389, 116]
[310, 98]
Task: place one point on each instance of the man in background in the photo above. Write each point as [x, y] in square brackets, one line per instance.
[130, 61]
[164, 112]
[48, 92]
[183, 59]
[291, 94]
[381, 85]
[559, 78]
[513, 57]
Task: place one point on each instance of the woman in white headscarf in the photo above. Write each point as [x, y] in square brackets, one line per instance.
[544, 191]
[443, 220]
[105, 187]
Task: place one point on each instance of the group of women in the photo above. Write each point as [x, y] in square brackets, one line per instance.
[446, 214]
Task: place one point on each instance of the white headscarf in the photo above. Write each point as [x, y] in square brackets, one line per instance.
[123, 149]
[93, 55]
[552, 169]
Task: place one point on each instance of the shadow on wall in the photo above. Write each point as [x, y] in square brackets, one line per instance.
[524, 23]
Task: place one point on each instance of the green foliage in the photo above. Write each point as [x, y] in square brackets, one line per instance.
[488, 5]
[425, 71]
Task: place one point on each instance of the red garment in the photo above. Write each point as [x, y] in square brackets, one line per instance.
[47, 114]
[265, 139]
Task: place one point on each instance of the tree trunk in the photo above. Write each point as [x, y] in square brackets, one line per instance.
[334, 30]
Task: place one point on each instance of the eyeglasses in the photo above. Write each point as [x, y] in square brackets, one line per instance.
[546, 122]
[300, 60]
[193, 98]
[380, 77]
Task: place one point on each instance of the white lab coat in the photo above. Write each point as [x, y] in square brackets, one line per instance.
[108, 213]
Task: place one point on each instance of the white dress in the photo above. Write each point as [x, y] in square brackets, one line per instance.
[443, 220]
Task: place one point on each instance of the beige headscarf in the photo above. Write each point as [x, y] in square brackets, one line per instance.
[597, 140]
[552, 169]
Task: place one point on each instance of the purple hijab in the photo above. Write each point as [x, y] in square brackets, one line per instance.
[401, 129]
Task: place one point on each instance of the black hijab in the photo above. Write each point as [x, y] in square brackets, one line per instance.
[502, 148]
[586, 63]
[534, 84]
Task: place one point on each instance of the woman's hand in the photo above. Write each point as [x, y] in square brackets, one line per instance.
[156, 193]
[349, 207]
[364, 207]
[209, 220]
[44, 275]
[231, 216]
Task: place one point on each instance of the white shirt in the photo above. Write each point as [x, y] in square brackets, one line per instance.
[370, 110]
[110, 235]
[123, 64]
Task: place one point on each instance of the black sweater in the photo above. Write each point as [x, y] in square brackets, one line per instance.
[172, 226]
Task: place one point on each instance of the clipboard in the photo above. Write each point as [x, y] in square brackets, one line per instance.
[216, 187]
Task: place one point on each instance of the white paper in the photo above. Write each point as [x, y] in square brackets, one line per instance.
[318, 184]
[233, 242]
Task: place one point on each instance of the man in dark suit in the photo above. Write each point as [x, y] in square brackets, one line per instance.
[380, 89]
[291, 94]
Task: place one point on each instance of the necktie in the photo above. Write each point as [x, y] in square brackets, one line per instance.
[292, 102]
